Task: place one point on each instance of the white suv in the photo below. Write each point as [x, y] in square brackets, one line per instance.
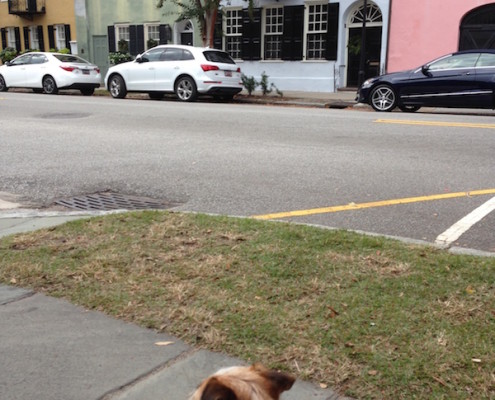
[184, 70]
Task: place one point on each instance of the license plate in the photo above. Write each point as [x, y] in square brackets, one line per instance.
[228, 73]
[85, 71]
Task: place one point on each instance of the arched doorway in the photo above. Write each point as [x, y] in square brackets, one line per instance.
[374, 23]
[477, 30]
[185, 32]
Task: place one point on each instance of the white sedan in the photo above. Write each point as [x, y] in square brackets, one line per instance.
[49, 72]
[184, 70]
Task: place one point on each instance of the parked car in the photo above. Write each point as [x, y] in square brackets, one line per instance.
[184, 70]
[464, 79]
[50, 72]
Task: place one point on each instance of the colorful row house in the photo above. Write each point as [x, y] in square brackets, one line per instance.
[37, 24]
[307, 45]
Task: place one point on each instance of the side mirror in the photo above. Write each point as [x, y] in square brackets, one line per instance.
[141, 59]
[425, 69]
[8, 63]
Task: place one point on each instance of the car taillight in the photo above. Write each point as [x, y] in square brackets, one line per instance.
[207, 67]
[68, 68]
[97, 70]
[238, 69]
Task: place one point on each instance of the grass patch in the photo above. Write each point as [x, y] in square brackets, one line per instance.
[371, 317]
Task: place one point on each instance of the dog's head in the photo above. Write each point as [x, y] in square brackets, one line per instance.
[244, 383]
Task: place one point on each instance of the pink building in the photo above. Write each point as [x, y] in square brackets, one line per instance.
[421, 30]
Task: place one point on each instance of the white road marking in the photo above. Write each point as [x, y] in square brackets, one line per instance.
[464, 224]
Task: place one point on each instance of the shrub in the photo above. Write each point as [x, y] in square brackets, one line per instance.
[119, 58]
[8, 54]
[267, 87]
[249, 83]
[151, 43]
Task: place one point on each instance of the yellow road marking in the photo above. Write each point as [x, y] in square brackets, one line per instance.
[435, 123]
[383, 203]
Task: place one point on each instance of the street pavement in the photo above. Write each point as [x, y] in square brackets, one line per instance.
[53, 350]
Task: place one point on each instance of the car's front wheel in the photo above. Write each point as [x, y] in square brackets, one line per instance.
[383, 98]
[49, 85]
[185, 89]
[3, 85]
[117, 87]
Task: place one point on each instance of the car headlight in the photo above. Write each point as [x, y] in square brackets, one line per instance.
[367, 83]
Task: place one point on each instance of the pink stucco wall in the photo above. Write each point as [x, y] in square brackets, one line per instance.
[421, 30]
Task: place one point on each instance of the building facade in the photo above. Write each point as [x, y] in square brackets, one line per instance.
[37, 24]
[306, 45]
[102, 24]
[417, 35]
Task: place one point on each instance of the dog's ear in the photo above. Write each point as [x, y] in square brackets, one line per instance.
[215, 390]
[277, 382]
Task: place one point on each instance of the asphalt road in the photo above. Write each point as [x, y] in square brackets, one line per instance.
[396, 174]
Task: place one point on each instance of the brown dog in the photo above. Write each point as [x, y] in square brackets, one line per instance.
[244, 383]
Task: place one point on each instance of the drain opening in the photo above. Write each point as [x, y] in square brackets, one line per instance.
[108, 201]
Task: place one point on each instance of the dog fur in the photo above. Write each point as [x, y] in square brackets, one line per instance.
[244, 383]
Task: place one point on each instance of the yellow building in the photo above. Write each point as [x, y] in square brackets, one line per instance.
[37, 24]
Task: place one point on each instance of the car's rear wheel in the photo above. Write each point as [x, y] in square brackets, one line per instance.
[383, 98]
[185, 89]
[49, 85]
[409, 109]
[117, 87]
[155, 95]
[88, 91]
[3, 86]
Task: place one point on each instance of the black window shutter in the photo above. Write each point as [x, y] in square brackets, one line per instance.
[26, 38]
[292, 42]
[67, 36]
[251, 35]
[218, 32]
[111, 38]
[17, 39]
[333, 31]
[140, 39]
[41, 39]
[3, 31]
[136, 39]
[51, 37]
[165, 33]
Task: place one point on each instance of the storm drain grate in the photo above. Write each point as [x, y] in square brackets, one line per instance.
[108, 201]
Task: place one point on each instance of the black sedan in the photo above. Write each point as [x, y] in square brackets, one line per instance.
[465, 80]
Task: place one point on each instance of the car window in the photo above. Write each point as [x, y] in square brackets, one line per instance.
[486, 60]
[218, 56]
[70, 58]
[38, 59]
[22, 60]
[455, 61]
[187, 55]
[153, 55]
[171, 54]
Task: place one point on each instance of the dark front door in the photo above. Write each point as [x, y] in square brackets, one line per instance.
[477, 30]
[186, 38]
[373, 52]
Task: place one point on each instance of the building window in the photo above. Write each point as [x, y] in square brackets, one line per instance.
[233, 32]
[317, 25]
[34, 40]
[59, 36]
[273, 29]
[11, 38]
[152, 35]
[122, 34]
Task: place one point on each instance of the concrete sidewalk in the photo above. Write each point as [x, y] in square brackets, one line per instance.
[53, 350]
